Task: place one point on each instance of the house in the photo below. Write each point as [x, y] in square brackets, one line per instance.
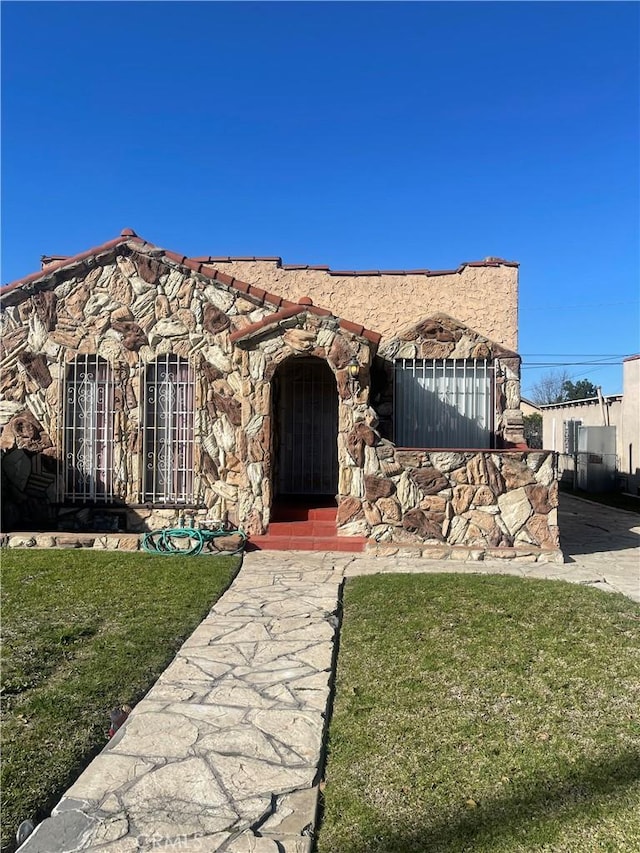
[528, 407]
[561, 423]
[141, 387]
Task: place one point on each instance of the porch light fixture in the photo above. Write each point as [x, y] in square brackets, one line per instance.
[353, 367]
[353, 372]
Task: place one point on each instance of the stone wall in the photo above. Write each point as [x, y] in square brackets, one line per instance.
[487, 504]
[483, 296]
[129, 308]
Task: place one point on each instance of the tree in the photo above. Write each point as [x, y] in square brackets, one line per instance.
[550, 387]
[533, 431]
[556, 387]
[581, 390]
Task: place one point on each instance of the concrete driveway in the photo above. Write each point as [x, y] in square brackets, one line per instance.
[602, 540]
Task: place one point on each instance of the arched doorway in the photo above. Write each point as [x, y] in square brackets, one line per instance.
[305, 408]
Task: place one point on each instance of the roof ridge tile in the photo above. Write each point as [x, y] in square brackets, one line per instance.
[201, 265]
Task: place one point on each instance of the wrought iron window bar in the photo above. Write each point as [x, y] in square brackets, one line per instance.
[444, 402]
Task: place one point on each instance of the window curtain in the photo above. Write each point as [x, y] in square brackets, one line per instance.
[443, 403]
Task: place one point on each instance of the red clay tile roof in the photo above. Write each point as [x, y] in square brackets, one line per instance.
[128, 236]
[304, 306]
[51, 259]
[227, 259]
[52, 263]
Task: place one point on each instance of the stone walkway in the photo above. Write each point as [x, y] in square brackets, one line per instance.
[225, 752]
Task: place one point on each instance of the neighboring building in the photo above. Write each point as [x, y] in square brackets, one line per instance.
[140, 385]
[529, 408]
[532, 424]
[561, 423]
[629, 439]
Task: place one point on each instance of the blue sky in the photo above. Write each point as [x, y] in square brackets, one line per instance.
[359, 135]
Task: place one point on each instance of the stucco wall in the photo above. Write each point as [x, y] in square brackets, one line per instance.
[592, 413]
[485, 298]
[622, 412]
[589, 412]
[629, 441]
[528, 408]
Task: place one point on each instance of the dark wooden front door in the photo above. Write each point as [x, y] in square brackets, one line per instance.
[306, 440]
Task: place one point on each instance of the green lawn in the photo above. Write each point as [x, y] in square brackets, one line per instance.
[82, 632]
[485, 714]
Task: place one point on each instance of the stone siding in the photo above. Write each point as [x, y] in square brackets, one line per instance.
[129, 309]
[132, 303]
[490, 504]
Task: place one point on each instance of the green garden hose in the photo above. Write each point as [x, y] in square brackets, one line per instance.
[166, 540]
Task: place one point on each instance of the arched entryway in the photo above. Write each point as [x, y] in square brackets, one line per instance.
[305, 417]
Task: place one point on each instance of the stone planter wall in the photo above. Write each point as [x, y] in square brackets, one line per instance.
[494, 504]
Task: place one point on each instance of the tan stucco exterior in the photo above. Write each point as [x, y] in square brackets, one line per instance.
[529, 408]
[590, 412]
[629, 440]
[386, 302]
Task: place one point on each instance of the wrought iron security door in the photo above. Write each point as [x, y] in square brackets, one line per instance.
[306, 404]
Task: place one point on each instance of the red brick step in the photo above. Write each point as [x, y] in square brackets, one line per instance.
[303, 513]
[298, 525]
[307, 543]
[302, 528]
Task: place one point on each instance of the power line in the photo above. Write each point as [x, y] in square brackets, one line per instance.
[587, 373]
[580, 305]
[538, 364]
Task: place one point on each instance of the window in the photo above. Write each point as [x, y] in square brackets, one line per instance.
[168, 431]
[571, 428]
[443, 403]
[88, 430]
[168, 423]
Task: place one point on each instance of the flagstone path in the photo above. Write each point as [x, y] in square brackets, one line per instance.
[224, 751]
